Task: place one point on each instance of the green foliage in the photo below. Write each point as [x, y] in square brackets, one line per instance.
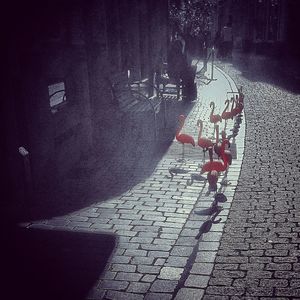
[191, 17]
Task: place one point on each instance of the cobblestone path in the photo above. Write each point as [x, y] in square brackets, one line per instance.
[156, 254]
[258, 257]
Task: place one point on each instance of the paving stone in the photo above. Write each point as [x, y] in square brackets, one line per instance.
[156, 247]
[221, 281]
[221, 290]
[131, 252]
[120, 259]
[128, 276]
[160, 241]
[114, 285]
[156, 296]
[141, 240]
[229, 273]
[175, 261]
[202, 268]
[273, 283]
[142, 260]
[189, 293]
[215, 297]
[114, 295]
[148, 269]
[160, 262]
[123, 268]
[156, 254]
[170, 273]
[199, 281]
[206, 256]
[181, 251]
[148, 278]
[186, 241]
[260, 291]
[287, 274]
[138, 287]
[165, 286]
[208, 246]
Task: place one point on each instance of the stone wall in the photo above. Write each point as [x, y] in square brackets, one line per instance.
[80, 43]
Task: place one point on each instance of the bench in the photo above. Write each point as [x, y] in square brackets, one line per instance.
[170, 86]
[134, 97]
[184, 86]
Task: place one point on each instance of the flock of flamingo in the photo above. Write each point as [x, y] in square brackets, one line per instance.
[213, 168]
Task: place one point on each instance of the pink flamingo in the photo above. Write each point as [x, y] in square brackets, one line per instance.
[217, 165]
[214, 118]
[241, 95]
[182, 137]
[217, 145]
[226, 153]
[213, 175]
[226, 115]
[233, 107]
[239, 107]
[204, 143]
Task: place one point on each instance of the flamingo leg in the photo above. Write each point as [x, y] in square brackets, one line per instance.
[182, 155]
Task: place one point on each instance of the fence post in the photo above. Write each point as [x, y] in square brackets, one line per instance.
[27, 172]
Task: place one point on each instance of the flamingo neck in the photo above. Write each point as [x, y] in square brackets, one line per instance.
[223, 156]
[226, 106]
[223, 136]
[181, 123]
[200, 131]
[232, 105]
[217, 134]
[213, 108]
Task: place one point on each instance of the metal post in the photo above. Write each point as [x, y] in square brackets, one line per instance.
[212, 62]
[27, 171]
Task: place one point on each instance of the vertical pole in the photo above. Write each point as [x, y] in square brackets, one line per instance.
[205, 57]
[212, 62]
[27, 172]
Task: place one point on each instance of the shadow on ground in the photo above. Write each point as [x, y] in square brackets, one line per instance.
[102, 175]
[45, 264]
[279, 72]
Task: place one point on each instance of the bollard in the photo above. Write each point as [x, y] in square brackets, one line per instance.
[212, 62]
[27, 171]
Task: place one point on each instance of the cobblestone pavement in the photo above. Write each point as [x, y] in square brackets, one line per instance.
[258, 257]
[157, 255]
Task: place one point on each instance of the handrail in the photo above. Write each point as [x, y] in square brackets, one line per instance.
[50, 96]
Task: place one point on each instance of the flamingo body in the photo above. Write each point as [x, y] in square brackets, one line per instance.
[217, 145]
[185, 139]
[226, 153]
[212, 178]
[182, 137]
[213, 166]
[217, 165]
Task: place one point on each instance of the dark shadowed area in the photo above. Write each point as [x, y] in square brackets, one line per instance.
[281, 73]
[45, 264]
